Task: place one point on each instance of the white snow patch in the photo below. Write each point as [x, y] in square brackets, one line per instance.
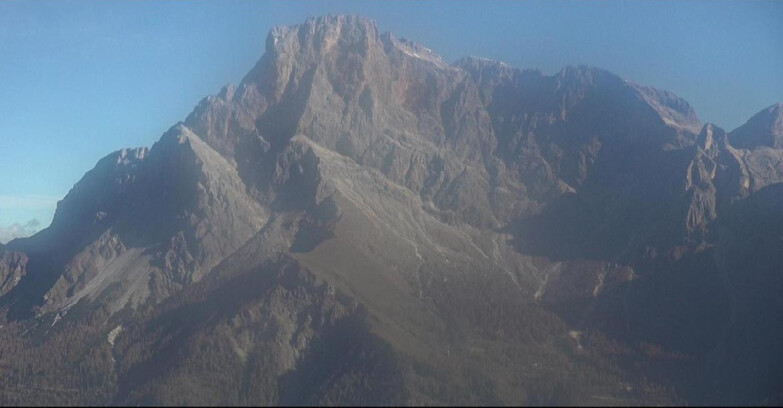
[113, 335]
[422, 53]
[576, 335]
[555, 268]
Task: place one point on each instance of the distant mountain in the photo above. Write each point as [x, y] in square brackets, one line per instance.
[19, 231]
[359, 222]
[765, 129]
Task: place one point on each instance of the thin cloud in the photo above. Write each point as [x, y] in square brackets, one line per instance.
[28, 201]
[8, 234]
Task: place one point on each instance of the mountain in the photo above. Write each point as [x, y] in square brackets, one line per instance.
[764, 129]
[360, 222]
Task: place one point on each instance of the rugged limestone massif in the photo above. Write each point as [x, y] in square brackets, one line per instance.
[360, 222]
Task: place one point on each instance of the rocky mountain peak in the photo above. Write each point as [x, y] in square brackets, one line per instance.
[482, 69]
[479, 62]
[711, 135]
[584, 74]
[763, 129]
[321, 34]
[674, 111]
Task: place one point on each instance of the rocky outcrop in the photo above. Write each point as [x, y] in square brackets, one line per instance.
[12, 270]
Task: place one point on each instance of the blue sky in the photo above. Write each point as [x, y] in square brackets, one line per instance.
[79, 79]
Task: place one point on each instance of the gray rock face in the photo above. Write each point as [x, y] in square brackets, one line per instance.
[12, 270]
[454, 228]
